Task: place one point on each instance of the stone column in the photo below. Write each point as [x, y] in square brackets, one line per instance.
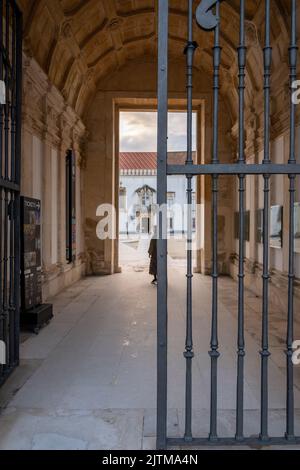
[110, 176]
[204, 256]
[77, 150]
[50, 186]
[117, 267]
[46, 206]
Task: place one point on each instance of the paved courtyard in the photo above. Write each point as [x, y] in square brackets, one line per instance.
[88, 380]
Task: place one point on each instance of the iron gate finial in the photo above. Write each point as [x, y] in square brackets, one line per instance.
[204, 15]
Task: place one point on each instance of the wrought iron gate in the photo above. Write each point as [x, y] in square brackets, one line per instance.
[208, 16]
[10, 151]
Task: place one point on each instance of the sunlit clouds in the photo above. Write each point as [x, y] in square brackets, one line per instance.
[138, 132]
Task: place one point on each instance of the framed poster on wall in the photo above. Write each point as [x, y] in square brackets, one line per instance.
[34, 314]
[31, 263]
[276, 226]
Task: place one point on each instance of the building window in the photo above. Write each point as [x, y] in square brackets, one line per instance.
[145, 199]
[146, 196]
[123, 199]
[70, 207]
[143, 210]
[171, 200]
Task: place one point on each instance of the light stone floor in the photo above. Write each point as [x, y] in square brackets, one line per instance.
[87, 381]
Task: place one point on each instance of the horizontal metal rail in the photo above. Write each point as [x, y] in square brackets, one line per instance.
[230, 441]
[234, 169]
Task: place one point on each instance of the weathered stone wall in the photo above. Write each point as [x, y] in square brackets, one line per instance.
[50, 127]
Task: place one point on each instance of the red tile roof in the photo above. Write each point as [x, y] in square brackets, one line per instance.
[148, 160]
[138, 161]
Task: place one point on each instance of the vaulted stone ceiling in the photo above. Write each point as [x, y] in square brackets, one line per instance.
[79, 42]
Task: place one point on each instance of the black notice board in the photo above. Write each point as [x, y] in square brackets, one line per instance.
[31, 263]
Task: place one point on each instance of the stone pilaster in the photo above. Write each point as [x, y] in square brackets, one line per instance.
[50, 128]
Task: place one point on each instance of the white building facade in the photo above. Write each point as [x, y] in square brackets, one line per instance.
[138, 196]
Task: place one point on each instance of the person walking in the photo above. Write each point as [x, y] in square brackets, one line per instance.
[153, 257]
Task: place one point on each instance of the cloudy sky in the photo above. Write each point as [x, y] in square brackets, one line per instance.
[139, 132]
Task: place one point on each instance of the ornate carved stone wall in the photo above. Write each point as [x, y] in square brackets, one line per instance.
[50, 128]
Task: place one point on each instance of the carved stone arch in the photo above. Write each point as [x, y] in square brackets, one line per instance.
[125, 22]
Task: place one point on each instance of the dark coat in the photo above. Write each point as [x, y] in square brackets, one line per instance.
[153, 257]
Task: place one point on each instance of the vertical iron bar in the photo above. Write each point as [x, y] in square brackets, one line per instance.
[6, 174]
[214, 344]
[1, 276]
[162, 148]
[1, 78]
[17, 176]
[7, 103]
[11, 306]
[1, 192]
[265, 353]
[17, 263]
[242, 50]
[5, 274]
[19, 41]
[6, 192]
[189, 352]
[293, 50]
[12, 311]
[13, 97]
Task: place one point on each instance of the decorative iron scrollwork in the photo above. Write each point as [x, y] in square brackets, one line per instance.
[204, 15]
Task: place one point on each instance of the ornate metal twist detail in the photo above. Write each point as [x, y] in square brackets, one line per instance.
[204, 15]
